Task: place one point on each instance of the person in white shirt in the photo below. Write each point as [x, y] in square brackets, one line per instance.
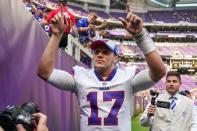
[104, 92]
[194, 112]
[194, 119]
[178, 116]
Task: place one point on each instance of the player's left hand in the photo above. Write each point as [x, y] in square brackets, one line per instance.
[133, 23]
[59, 22]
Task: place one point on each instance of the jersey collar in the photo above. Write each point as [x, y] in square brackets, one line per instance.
[109, 78]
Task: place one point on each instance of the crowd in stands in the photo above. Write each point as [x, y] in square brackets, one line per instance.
[97, 31]
[87, 28]
[90, 29]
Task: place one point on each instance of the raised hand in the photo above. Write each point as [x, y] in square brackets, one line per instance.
[104, 24]
[59, 23]
[133, 23]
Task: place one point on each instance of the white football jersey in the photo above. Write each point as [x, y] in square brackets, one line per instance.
[104, 105]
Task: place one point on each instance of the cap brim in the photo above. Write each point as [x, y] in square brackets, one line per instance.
[97, 43]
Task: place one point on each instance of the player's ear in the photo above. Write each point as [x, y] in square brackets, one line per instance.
[116, 59]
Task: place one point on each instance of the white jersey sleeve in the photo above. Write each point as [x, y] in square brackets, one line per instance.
[131, 71]
[142, 81]
[62, 80]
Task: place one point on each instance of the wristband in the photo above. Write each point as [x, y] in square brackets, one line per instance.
[145, 42]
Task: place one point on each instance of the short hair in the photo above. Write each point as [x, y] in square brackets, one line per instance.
[173, 73]
[64, 2]
[187, 92]
[182, 93]
[93, 13]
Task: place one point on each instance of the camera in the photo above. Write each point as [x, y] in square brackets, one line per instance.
[161, 104]
[91, 32]
[13, 115]
[154, 95]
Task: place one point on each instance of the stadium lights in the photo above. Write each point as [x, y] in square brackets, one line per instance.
[186, 5]
[155, 1]
[177, 5]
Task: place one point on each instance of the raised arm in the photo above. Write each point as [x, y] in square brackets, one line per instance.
[46, 65]
[134, 25]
